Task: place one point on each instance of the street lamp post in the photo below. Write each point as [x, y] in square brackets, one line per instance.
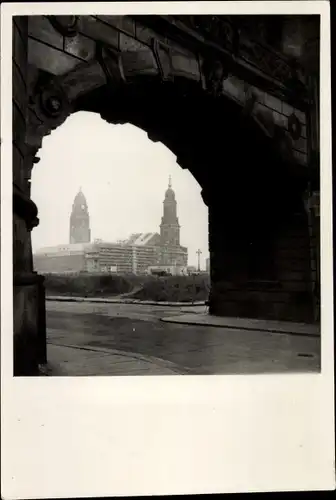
[199, 251]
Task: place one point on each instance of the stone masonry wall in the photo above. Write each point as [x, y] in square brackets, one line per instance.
[280, 286]
[61, 55]
[269, 111]
[27, 292]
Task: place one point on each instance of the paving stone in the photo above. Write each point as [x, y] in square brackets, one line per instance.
[248, 324]
[169, 348]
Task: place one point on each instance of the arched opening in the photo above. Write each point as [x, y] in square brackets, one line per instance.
[243, 180]
[252, 187]
[124, 177]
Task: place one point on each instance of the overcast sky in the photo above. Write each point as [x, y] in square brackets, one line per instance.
[123, 175]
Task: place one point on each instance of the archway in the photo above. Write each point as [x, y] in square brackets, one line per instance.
[244, 171]
[124, 177]
[116, 176]
[243, 182]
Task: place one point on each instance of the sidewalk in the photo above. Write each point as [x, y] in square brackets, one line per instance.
[69, 360]
[106, 300]
[245, 324]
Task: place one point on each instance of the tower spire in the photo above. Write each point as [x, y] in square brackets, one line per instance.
[169, 227]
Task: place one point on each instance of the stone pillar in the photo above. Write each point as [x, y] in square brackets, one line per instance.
[229, 263]
[259, 260]
[28, 300]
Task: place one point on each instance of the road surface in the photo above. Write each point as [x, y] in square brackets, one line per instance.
[136, 330]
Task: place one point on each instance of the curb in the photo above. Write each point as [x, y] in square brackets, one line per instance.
[237, 327]
[128, 354]
[125, 301]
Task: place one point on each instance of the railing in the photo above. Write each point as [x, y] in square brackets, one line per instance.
[213, 28]
[230, 34]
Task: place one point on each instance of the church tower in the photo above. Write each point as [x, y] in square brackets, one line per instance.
[80, 220]
[169, 227]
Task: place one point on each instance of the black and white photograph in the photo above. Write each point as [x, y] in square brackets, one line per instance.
[166, 193]
[167, 175]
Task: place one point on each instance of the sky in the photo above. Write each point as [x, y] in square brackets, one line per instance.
[123, 176]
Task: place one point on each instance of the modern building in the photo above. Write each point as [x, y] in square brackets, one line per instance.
[62, 258]
[137, 254]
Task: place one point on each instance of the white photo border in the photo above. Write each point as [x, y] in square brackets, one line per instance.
[117, 436]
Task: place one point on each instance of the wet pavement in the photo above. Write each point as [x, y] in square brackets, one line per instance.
[167, 348]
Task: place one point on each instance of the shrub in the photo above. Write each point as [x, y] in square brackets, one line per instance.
[86, 285]
[175, 289]
[165, 289]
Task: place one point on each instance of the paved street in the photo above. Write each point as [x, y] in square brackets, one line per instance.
[130, 339]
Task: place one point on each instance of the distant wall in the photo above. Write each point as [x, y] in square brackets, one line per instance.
[59, 263]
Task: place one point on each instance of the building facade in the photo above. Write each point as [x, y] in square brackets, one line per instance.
[136, 255]
[80, 220]
[62, 258]
[120, 258]
[171, 252]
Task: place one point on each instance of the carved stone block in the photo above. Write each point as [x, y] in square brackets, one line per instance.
[20, 23]
[146, 35]
[294, 127]
[19, 50]
[265, 118]
[128, 43]
[40, 28]
[163, 59]
[235, 88]
[304, 131]
[185, 65]
[50, 60]
[279, 119]
[123, 23]
[18, 167]
[19, 125]
[301, 116]
[21, 244]
[83, 79]
[300, 157]
[260, 94]
[139, 63]
[66, 25]
[286, 109]
[215, 74]
[99, 31]
[111, 62]
[49, 108]
[272, 102]
[80, 46]
[19, 89]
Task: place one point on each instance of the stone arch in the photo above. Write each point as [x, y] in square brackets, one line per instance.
[199, 126]
[242, 168]
[243, 161]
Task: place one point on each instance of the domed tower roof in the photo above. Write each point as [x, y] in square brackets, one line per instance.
[80, 199]
[170, 193]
